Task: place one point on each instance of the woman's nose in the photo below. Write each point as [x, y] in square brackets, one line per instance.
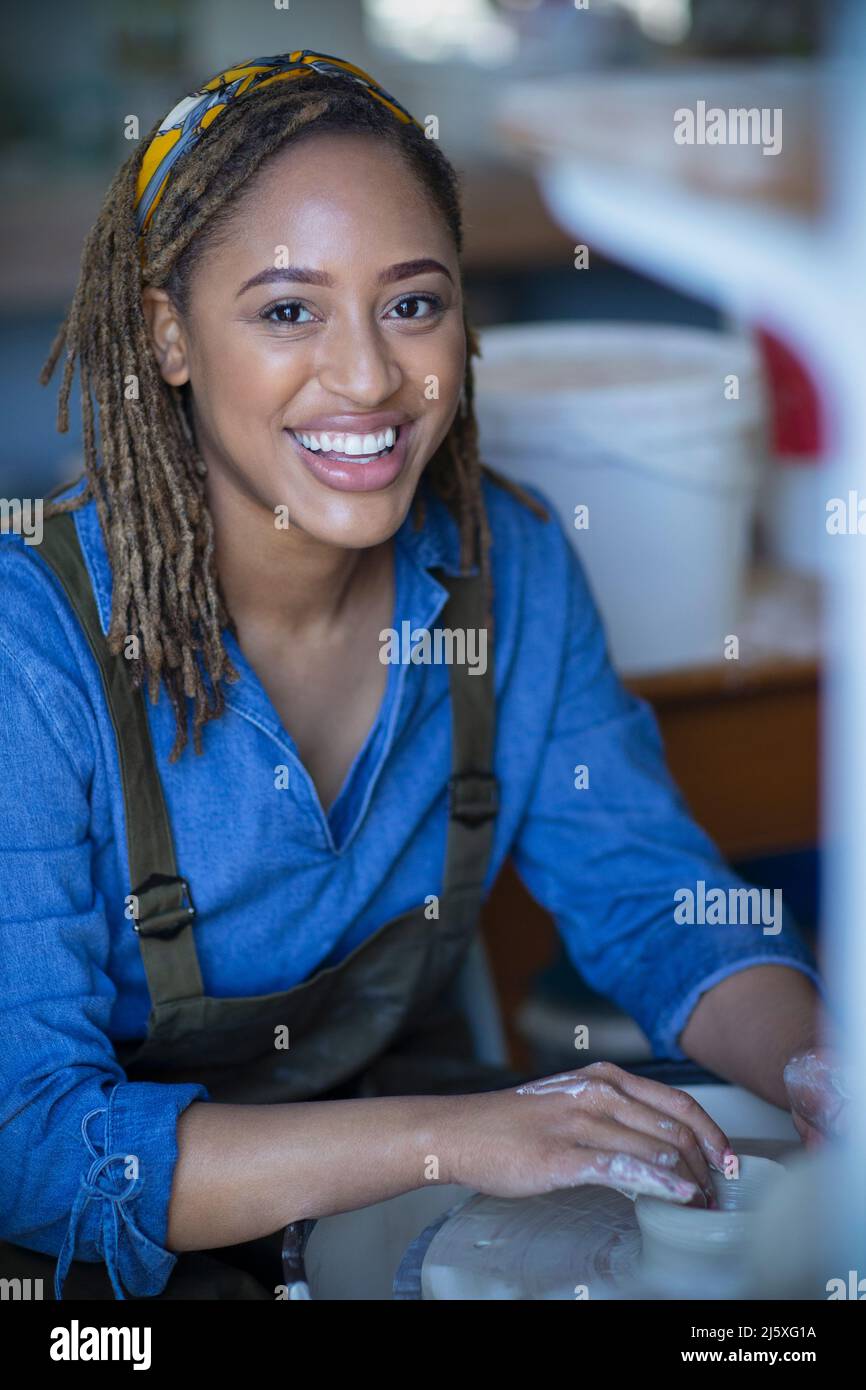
[359, 366]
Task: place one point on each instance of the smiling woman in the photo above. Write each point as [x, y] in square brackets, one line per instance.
[331, 351]
[222, 190]
[293, 373]
[230, 998]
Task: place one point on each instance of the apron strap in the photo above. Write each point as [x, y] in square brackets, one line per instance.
[473, 791]
[165, 910]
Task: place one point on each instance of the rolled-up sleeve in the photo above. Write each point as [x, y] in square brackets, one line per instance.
[87, 1157]
[609, 847]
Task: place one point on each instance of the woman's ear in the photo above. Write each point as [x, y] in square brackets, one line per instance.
[166, 335]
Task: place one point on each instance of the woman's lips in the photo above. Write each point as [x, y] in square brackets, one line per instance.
[347, 473]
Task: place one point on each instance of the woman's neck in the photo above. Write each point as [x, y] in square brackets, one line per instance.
[284, 579]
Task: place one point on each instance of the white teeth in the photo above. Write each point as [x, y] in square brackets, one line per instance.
[349, 444]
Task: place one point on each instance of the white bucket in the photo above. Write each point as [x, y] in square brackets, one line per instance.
[633, 421]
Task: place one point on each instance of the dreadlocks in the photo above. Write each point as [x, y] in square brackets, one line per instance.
[148, 484]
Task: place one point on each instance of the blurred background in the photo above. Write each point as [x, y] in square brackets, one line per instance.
[640, 357]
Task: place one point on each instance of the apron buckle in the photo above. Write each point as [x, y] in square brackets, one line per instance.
[473, 797]
[165, 906]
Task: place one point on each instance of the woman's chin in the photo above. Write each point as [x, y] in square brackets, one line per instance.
[352, 521]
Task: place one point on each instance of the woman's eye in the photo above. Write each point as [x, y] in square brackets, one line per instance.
[416, 306]
[412, 306]
[289, 312]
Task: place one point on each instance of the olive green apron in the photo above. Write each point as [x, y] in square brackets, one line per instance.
[380, 1022]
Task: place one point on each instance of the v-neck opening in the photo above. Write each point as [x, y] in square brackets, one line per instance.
[340, 824]
[338, 818]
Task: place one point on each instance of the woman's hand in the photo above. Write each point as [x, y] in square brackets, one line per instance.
[595, 1125]
[246, 1170]
[818, 1094]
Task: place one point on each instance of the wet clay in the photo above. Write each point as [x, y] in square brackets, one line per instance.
[689, 1250]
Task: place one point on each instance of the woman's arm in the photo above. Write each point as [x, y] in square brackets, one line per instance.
[86, 1157]
[747, 1027]
[245, 1170]
[615, 856]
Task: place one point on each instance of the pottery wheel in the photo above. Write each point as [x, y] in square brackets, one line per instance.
[576, 1243]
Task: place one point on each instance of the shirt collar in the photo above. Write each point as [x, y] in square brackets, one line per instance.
[437, 544]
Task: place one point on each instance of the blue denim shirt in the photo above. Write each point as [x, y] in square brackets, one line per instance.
[280, 886]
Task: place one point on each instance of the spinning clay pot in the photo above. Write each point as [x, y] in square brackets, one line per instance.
[692, 1252]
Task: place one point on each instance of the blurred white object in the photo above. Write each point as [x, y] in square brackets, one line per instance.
[632, 421]
[439, 30]
[792, 1250]
[789, 256]
[629, 127]
[793, 513]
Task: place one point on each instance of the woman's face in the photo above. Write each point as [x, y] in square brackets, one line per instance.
[324, 340]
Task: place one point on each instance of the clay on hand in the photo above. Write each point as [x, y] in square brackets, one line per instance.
[819, 1093]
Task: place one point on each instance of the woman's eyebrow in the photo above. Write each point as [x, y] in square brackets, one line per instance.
[301, 275]
[403, 270]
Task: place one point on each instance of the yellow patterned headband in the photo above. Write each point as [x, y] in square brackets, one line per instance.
[185, 124]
